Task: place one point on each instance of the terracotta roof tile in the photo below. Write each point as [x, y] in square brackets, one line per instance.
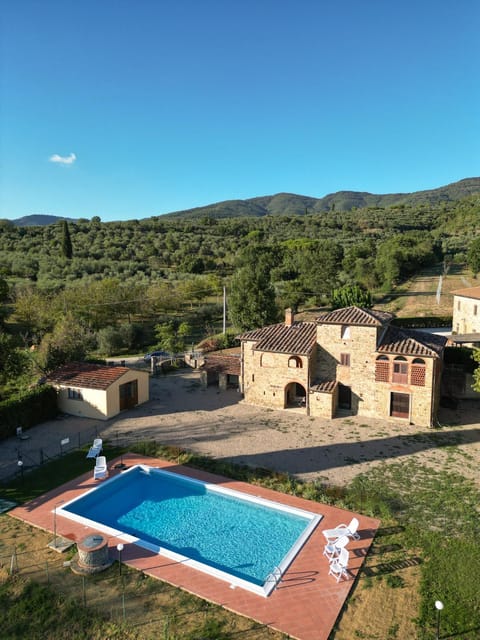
[355, 316]
[229, 364]
[411, 343]
[324, 386]
[470, 292]
[299, 338]
[87, 375]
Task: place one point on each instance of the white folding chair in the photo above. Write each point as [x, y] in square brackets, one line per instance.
[338, 568]
[332, 549]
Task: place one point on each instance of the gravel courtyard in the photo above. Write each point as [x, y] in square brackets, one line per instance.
[219, 424]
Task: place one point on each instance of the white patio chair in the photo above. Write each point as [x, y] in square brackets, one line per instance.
[100, 471]
[343, 530]
[96, 448]
[338, 568]
[332, 549]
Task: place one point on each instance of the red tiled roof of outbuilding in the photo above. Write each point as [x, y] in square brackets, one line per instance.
[299, 338]
[87, 375]
[223, 363]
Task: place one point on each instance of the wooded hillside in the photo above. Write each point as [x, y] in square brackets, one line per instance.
[74, 288]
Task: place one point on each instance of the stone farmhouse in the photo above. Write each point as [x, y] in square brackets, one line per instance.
[466, 316]
[350, 361]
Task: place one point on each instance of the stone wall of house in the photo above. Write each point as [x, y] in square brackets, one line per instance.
[368, 397]
[423, 399]
[436, 386]
[358, 344]
[349, 357]
[267, 375]
[323, 405]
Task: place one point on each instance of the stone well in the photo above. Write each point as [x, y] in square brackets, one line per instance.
[92, 555]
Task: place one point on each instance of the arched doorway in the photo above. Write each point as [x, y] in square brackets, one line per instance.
[295, 395]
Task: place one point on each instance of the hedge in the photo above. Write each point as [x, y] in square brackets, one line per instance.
[430, 322]
[26, 409]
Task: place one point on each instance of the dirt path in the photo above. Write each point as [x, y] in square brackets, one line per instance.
[421, 297]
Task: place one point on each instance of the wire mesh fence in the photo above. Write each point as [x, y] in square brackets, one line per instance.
[24, 458]
[123, 595]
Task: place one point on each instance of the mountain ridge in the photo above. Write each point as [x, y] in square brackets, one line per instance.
[39, 220]
[283, 203]
[294, 204]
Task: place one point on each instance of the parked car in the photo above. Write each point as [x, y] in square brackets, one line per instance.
[155, 354]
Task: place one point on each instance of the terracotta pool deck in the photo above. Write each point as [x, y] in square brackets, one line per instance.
[305, 604]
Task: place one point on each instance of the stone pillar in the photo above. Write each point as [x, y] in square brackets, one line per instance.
[222, 381]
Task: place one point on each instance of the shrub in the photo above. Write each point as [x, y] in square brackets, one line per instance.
[26, 409]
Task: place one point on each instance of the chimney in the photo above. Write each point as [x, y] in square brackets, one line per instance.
[289, 317]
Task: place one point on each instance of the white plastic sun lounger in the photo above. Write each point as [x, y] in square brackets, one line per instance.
[95, 449]
[342, 530]
[100, 470]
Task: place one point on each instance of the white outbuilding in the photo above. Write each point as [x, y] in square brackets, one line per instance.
[99, 391]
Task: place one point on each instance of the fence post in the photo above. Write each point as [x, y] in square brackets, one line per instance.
[123, 601]
[63, 443]
[14, 562]
[46, 568]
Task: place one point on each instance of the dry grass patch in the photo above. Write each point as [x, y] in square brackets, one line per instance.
[379, 611]
[153, 609]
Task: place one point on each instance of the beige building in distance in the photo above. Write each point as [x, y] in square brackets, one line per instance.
[99, 391]
[466, 315]
[350, 361]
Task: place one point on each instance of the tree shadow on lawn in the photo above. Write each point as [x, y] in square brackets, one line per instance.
[389, 567]
[323, 457]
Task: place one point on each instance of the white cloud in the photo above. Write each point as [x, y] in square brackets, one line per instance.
[63, 159]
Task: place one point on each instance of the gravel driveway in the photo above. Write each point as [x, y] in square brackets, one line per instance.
[219, 424]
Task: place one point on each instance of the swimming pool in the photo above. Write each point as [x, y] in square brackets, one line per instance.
[243, 539]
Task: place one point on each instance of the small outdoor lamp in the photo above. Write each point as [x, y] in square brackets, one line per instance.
[20, 468]
[438, 607]
[120, 549]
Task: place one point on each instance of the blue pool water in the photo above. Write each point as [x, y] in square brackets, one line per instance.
[228, 531]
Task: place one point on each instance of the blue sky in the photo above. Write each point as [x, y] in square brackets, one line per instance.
[128, 109]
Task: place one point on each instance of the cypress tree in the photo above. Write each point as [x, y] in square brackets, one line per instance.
[67, 248]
